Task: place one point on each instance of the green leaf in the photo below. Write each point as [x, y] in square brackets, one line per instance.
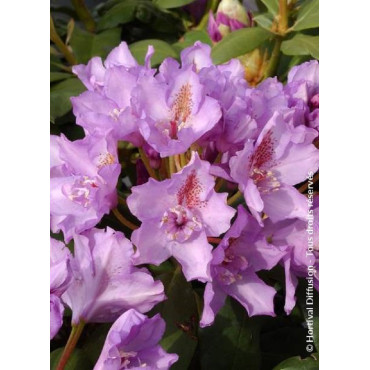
[308, 16]
[121, 13]
[78, 360]
[181, 316]
[60, 95]
[191, 37]
[272, 6]
[301, 45]
[264, 20]
[59, 76]
[161, 50]
[86, 45]
[168, 4]
[238, 43]
[297, 363]
[232, 342]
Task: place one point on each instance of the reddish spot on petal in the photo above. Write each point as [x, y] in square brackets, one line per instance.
[189, 193]
[264, 153]
[182, 105]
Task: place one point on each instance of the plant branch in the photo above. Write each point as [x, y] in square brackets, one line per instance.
[123, 220]
[63, 48]
[71, 344]
[145, 160]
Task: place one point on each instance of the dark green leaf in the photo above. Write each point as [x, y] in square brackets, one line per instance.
[86, 45]
[301, 45]
[168, 4]
[272, 6]
[162, 50]
[78, 360]
[121, 13]
[94, 340]
[181, 316]
[60, 95]
[232, 342]
[297, 363]
[308, 16]
[238, 43]
[264, 20]
[59, 76]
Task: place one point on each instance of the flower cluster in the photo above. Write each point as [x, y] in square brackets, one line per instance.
[207, 141]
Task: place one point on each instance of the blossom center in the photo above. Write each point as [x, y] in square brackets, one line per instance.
[179, 223]
[231, 267]
[180, 112]
[81, 191]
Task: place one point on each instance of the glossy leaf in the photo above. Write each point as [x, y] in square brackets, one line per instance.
[168, 4]
[60, 95]
[297, 363]
[59, 76]
[272, 6]
[121, 13]
[301, 45]
[239, 42]
[162, 50]
[264, 20]
[232, 342]
[191, 37]
[86, 45]
[308, 16]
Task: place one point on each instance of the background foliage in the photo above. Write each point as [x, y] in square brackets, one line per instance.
[82, 30]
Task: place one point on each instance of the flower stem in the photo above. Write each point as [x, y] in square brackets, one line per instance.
[234, 198]
[61, 45]
[123, 220]
[71, 344]
[283, 16]
[171, 164]
[274, 59]
[213, 240]
[145, 160]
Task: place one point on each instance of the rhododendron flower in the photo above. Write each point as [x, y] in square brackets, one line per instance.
[175, 113]
[230, 16]
[84, 174]
[303, 91]
[267, 170]
[177, 216]
[60, 277]
[107, 103]
[132, 343]
[105, 283]
[302, 239]
[243, 251]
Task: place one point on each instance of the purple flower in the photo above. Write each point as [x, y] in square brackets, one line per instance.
[84, 174]
[105, 283]
[174, 109]
[132, 343]
[303, 91]
[302, 239]
[230, 16]
[106, 106]
[267, 169]
[177, 216]
[60, 277]
[243, 251]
